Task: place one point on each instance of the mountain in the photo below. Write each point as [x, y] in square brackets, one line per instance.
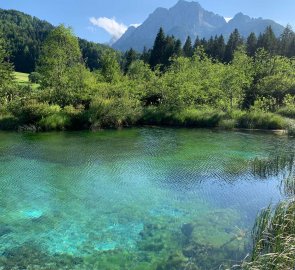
[25, 35]
[190, 19]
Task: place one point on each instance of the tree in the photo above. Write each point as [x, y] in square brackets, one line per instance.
[251, 44]
[164, 49]
[60, 56]
[129, 57]
[268, 41]
[158, 49]
[219, 47]
[110, 67]
[286, 41]
[197, 43]
[237, 78]
[146, 55]
[235, 40]
[6, 72]
[188, 48]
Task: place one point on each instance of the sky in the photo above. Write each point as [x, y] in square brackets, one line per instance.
[105, 20]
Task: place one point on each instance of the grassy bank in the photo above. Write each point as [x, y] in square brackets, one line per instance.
[45, 117]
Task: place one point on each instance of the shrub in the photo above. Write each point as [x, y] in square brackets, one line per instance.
[58, 121]
[287, 112]
[198, 118]
[261, 120]
[32, 111]
[8, 122]
[35, 77]
[113, 112]
[227, 124]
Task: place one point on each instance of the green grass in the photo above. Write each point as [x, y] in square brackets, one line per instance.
[23, 79]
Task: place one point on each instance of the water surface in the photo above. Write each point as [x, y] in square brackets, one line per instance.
[146, 198]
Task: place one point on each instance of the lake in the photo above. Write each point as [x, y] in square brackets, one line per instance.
[143, 198]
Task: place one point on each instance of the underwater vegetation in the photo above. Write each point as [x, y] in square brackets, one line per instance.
[138, 199]
[159, 248]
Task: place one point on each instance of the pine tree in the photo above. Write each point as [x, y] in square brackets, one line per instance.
[177, 48]
[158, 50]
[251, 44]
[268, 41]
[220, 48]
[197, 43]
[235, 40]
[130, 56]
[188, 48]
[146, 55]
[285, 42]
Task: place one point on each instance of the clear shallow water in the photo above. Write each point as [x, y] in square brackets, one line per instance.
[133, 199]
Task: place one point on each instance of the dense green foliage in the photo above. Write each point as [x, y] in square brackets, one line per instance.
[25, 35]
[179, 90]
[217, 48]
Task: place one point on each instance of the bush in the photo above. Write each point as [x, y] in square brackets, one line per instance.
[113, 112]
[287, 112]
[32, 111]
[198, 118]
[35, 77]
[59, 121]
[261, 120]
[188, 118]
[8, 122]
[228, 124]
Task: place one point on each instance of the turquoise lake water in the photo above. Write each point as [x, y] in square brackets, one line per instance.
[147, 198]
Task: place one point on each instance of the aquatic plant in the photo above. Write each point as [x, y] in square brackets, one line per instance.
[274, 239]
[274, 166]
[274, 230]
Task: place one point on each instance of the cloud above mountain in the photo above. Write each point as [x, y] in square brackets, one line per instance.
[114, 28]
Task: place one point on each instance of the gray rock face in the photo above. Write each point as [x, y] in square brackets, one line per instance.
[189, 19]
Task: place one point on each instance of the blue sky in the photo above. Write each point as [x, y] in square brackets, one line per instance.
[87, 17]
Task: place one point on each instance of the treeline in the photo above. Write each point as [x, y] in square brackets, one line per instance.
[216, 47]
[25, 36]
[197, 91]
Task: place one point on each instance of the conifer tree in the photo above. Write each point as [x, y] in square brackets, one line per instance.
[268, 41]
[286, 39]
[158, 50]
[235, 40]
[251, 44]
[188, 48]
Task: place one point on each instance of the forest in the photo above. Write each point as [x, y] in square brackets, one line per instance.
[238, 84]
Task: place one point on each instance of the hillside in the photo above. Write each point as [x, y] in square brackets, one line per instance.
[25, 35]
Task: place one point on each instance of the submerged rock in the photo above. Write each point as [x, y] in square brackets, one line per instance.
[4, 230]
[32, 214]
[178, 262]
[187, 229]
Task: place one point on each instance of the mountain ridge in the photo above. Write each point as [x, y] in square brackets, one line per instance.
[189, 18]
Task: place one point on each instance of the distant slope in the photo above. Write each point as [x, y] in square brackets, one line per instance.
[25, 35]
[189, 19]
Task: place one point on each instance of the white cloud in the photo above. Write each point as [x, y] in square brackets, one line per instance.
[227, 19]
[115, 29]
[135, 25]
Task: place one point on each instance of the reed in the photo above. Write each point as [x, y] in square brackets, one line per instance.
[273, 234]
